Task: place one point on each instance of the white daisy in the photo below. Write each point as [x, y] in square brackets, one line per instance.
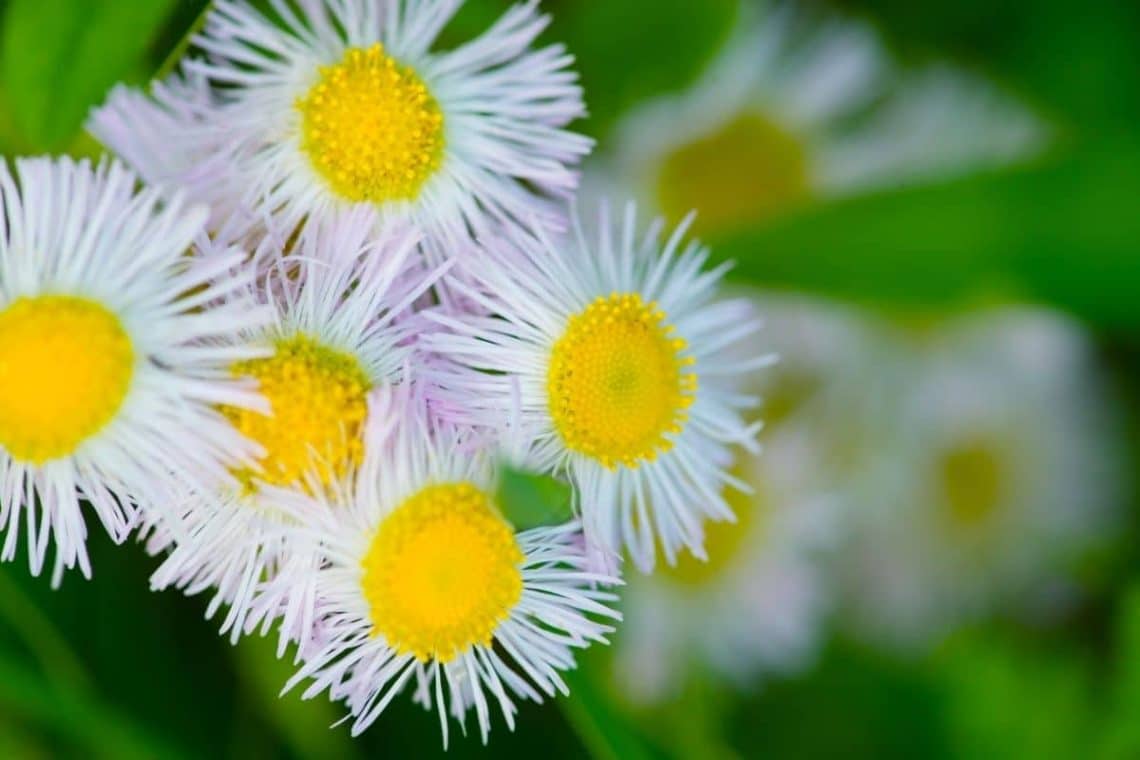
[1000, 467]
[341, 328]
[342, 102]
[757, 607]
[427, 585]
[110, 367]
[798, 108]
[614, 353]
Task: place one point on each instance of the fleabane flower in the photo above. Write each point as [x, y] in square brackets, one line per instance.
[1001, 464]
[111, 363]
[425, 585]
[340, 329]
[343, 102]
[613, 352]
[800, 108]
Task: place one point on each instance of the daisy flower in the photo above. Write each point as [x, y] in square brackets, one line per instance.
[341, 103]
[613, 352]
[340, 329]
[1001, 468]
[757, 607]
[110, 366]
[426, 585]
[798, 109]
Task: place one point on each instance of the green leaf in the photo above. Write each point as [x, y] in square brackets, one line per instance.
[530, 500]
[1020, 43]
[629, 50]
[179, 50]
[1065, 233]
[58, 58]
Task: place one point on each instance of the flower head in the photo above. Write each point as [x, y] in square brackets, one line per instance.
[612, 352]
[425, 584]
[110, 366]
[1003, 467]
[344, 103]
[799, 108]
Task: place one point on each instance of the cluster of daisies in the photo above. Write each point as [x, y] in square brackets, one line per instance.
[339, 290]
[343, 288]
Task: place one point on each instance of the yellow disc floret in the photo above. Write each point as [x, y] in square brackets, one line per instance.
[749, 169]
[974, 481]
[371, 128]
[65, 367]
[617, 384]
[443, 571]
[318, 401]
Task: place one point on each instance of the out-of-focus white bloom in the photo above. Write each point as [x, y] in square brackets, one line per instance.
[799, 108]
[615, 355]
[341, 103]
[426, 586]
[1001, 465]
[110, 369]
[755, 607]
[340, 301]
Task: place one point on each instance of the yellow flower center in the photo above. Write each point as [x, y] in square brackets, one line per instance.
[748, 170]
[318, 402]
[724, 540]
[443, 571]
[370, 128]
[65, 367]
[973, 481]
[617, 385]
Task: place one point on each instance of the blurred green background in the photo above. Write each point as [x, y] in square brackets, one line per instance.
[107, 669]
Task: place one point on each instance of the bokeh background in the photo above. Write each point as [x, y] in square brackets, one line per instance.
[936, 208]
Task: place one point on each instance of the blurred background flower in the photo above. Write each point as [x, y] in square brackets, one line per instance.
[932, 207]
[1001, 462]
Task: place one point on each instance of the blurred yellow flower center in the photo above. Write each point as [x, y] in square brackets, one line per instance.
[724, 540]
[973, 482]
[65, 366]
[370, 128]
[748, 170]
[443, 571]
[617, 384]
[318, 402]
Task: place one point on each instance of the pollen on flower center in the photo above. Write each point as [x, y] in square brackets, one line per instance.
[65, 367]
[371, 128]
[318, 402]
[443, 571]
[617, 385]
